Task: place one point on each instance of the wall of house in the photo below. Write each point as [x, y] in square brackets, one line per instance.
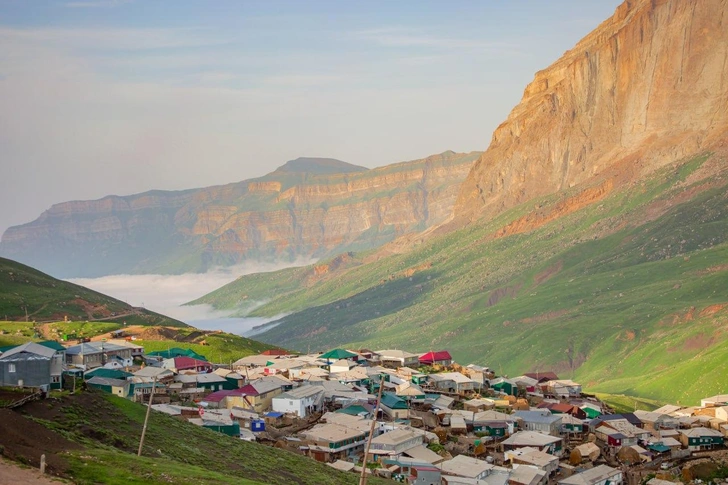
[33, 370]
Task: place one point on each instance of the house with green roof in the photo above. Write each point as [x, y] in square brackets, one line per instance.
[108, 373]
[394, 406]
[177, 352]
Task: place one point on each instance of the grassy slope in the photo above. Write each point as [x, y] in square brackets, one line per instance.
[174, 450]
[220, 348]
[603, 294]
[46, 298]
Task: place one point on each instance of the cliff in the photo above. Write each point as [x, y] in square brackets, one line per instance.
[647, 87]
[306, 208]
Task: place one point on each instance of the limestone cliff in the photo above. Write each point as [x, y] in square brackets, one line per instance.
[306, 208]
[647, 87]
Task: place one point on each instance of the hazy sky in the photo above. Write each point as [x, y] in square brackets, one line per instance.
[103, 97]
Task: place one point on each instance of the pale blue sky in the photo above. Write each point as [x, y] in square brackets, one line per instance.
[115, 97]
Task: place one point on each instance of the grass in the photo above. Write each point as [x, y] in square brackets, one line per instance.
[26, 293]
[627, 404]
[625, 303]
[174, 450]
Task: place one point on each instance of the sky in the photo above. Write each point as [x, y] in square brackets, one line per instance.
[102, 97]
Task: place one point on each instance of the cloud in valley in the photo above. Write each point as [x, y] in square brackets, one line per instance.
[167, 293]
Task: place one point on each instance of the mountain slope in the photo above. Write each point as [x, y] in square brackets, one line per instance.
[23, 288]
[634, 284]
[308, 208]
[590, 238]
[647, 87]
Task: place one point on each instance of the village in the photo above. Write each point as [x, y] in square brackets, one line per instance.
[437, 422]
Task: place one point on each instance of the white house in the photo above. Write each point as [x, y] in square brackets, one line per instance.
[300, 401]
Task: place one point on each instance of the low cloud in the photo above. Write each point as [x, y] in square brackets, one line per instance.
[167, 293]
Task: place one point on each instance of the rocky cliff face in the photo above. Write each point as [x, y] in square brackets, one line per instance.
[307, 208]
[647, 87]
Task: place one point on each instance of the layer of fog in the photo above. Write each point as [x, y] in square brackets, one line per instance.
[166, 294]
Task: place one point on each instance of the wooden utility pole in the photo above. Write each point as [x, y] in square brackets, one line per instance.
[146, 418]
[363, 477]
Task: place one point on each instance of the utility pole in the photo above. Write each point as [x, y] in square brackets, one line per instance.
[146, 418]
[363, 477]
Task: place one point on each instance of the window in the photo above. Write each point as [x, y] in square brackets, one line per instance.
[11, 367]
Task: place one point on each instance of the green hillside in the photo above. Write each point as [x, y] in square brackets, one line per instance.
[93, 437]
[625, 293]
[27, 292]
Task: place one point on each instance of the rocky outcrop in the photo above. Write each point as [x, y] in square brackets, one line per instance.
[648, 87]
[303, 209]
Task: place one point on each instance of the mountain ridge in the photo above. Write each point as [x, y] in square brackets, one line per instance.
[642, 90]
[285, 215]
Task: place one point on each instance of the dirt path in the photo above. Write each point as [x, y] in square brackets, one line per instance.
[12, 473]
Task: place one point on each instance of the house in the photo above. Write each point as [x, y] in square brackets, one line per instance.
[395, 442]
[117, 387]
[563, 389]
[423, 475]
[542, 377]
[329, 442]
[631, 418]
[564, 408]
[410, 392]
[506, 386]
[480, 374]
[394, 406]
[656, 421]
[467, 467]
[397, 358]
[494, 423]
[234, 379]
[714, 401]
[571, 425]
[137, 351]
[342, 365]
[542, 442]
[149, 373]
[440, 357]
[478, 404]
[109, 373]
[211, 382]
[620, 432]
[695, 439]
[599, 475]
[95, 354]
[180, 364]
[260, 393]
[31, 365]
[458, 425]
[142, 391]
[542, 421]
[300, 401]
[532, 456]
[523, 474]
[453, 382]
[423, 454]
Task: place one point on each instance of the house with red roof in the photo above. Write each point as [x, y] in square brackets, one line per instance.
[440, 357]
[260, 392]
